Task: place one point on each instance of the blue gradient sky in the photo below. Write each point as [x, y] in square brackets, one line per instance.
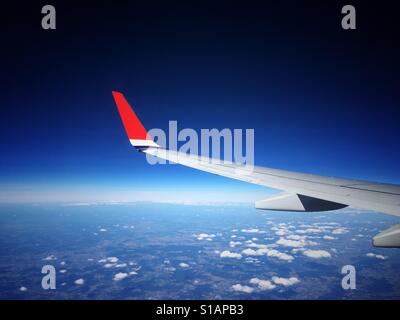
[321, 99]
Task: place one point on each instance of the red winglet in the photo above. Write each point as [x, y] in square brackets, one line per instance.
[133, 127]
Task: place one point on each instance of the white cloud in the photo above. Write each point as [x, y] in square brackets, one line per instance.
[295, 243]
[377, 256]
[252, 252]
[305, 225]
[171, 269]
[291, 243]
[256, 245]
[103, 230]
[296, 237]
[119, 276]
[281, 232]
[250, 230]
[285, 281]
[263, 284]
[269, 253]
[121, 265]
[280, 255]
[205, 236]
[109, 265]
[112, 259]
[228, 254]
[340, 230]
[241, 288]
[23, 289]
[62, 263]
[329, 238]
[184, 265]
[317, 254]
[50, 257]
[79, 281]
[309, 230]
[233, 244]
[63, 271]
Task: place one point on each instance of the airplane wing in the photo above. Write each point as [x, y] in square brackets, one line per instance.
[302, 192]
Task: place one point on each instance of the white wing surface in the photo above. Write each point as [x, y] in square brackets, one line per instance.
[302, 192]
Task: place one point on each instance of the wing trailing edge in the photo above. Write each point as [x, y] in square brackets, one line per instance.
[297, 202]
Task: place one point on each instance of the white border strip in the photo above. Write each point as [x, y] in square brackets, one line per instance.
[143, 143]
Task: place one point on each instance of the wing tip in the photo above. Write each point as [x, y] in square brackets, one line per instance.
[115, 92]
[134, 128]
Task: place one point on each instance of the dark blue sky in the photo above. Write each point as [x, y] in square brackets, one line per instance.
[320, 99]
